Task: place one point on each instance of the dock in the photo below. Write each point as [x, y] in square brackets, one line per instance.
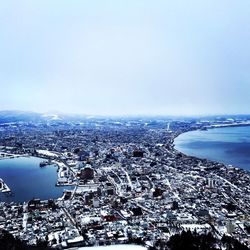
[3, 187]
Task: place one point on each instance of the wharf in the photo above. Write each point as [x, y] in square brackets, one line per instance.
[3, 187]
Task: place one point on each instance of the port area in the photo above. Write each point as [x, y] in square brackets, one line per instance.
[3, 187]
[65, 176]
[45, 163]
[4, 156]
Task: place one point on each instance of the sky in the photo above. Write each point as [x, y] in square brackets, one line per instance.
[125, 57]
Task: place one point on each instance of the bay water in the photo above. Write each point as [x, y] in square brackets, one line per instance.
[228, 145]
[27, 180]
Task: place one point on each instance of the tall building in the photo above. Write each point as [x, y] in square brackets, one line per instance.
[230, 227]
[211, 183]
[87, 173]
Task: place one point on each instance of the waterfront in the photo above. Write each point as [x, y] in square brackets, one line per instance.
[132, 185]
[113, 247]
[27, 180]
[229, 145]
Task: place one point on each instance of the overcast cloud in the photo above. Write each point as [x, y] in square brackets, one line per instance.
[124, 57]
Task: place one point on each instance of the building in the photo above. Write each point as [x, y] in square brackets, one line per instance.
[87, 173]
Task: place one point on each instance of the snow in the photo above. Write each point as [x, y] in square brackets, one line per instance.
[46, 152]
[52, 116]
[114, 247]
[197, 227]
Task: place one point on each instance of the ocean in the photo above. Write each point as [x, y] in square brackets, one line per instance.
[229, 145]
[27, 180]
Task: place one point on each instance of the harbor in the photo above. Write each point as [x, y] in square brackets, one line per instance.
[24, 180]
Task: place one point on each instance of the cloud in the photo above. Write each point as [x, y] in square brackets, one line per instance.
[133, 57]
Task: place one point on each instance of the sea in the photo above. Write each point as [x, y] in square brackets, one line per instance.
[228, 145]
[27, 180]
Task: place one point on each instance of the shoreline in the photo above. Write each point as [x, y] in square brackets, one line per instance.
[165, 180]
[6, 156]
[6, 190]
[60, 164]
[242, 124]
[205, 158]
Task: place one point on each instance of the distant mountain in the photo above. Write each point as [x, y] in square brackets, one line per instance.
[19, 116]
[14, 116]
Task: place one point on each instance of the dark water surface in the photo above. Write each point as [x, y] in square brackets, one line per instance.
[27, 180]
[229, 145]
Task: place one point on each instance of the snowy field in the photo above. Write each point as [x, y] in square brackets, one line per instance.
[112, 247]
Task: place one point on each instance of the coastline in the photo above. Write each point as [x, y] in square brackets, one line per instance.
[9, 186]
[184, 180]
[64, 169]
[61, 181]
[6, 156]
[227, 165]
[240, 124]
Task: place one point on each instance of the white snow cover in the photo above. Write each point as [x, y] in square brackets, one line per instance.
[46, 152]
[114, 247]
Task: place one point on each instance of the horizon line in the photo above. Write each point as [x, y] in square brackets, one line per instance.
[48, 113]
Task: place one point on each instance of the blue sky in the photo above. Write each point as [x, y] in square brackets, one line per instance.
[125, 57]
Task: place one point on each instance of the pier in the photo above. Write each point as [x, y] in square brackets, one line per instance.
[3, 187]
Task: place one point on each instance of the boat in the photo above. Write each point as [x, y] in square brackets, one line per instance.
[44, 163]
